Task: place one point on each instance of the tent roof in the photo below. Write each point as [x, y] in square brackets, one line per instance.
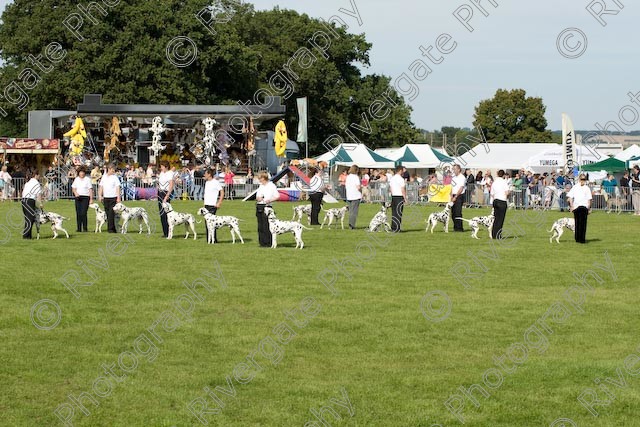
[610, 165]
[502, 155]
[356, 154]
[627, 154]
[554, 159]
[419, 156]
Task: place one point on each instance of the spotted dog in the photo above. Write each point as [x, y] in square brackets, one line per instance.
[335, 214]
[176, 218]
[214, 222]
[101, 217]
[535, 201]
[480, 221]
[277, 226]
[299, 211]
[443, 217]
[55, 219]
[128, 214]
[380, 220]
[558, 228]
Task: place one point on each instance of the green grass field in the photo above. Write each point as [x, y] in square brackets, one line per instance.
[374, 328]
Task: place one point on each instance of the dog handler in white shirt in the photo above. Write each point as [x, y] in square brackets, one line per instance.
[458, 187]
[31, 192]
[213, 196]
[83, 193]
[267, 194]
[398, 189]
[580, 204]
[165, 188]
[499, 195]
[109, 195]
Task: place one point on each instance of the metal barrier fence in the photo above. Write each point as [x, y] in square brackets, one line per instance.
[616, 199]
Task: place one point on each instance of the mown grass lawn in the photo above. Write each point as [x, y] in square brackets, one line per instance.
[356, 323]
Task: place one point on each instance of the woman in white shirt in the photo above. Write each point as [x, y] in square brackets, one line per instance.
[165, 188]
[83, 193]
[267, 194]
[580, 204]
[352, 189]
[5, 183]
[31, 192]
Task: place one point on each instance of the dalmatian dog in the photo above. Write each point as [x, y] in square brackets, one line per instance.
[55, 219]
[443, 217]
[176, 218]
[380, 220]
[480, 221]
[277, 226]
[335, 214]
[214, 222]
[101, 217]
[558, 228]
[299, 211]
[535, 201]
[127, 214]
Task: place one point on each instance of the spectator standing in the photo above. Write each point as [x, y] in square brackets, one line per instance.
[486, 187]
[96, 174]
[635, 189]
[458, 187]
[83, 193]
[353, 195]
[342, 180]
[31, 193]
[109, 195]
[5, 183]
[499, 195]
[52, 183]
[580, 204]
[213, 195]
[398, 188]
[198, 176]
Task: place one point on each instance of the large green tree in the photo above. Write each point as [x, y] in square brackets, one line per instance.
[511, 116]
[123, 56]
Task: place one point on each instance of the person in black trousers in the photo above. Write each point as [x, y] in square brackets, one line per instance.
[500, 194]
[398, 189]
[580, 204]
[213, 196]
[109, 194]
[315, 195]
[267, 193]
[458, 187]
[31, 192]
[165, 188]
[83, 193]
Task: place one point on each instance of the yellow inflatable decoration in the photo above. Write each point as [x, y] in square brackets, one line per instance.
[77, 135]
[280, 138]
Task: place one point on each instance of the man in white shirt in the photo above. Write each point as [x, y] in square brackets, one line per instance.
[109, 195]
[31, 192]
[166, 179]
[398, 188]
[352, 187]
[213, 195]
[580, 204]
[499, 195]
[315, 194]
[458, 187]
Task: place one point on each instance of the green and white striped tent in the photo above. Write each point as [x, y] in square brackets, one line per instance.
[419, 156]
[355, 154]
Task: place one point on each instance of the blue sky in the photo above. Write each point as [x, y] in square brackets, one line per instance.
[514, 47]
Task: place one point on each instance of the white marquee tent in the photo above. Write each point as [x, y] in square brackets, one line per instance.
[502, 156]
[418, 156]
[633, 151]
[553, 159]
[355, 154]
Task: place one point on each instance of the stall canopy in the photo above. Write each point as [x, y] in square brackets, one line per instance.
[29, 146]
[553, 159]
[611, 165]
[633, 151]
[419, 156]
[502, 155]
[356, 154]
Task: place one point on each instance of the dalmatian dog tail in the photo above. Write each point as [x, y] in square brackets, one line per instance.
[306, 228]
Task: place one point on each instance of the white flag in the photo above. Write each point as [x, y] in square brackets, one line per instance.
[302, 120]
[568, 143]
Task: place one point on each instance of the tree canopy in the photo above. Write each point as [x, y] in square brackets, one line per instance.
[511, 116]
[123, 55]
